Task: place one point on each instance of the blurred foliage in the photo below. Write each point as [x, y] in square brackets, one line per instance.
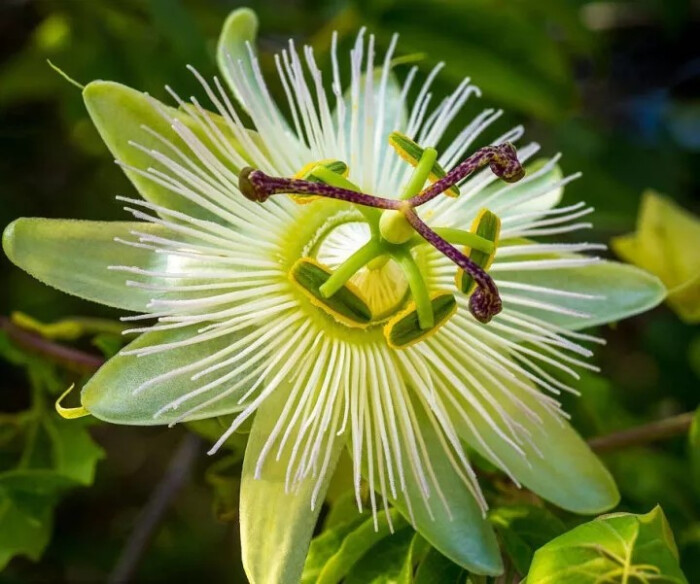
[614, 85]
[666, 244]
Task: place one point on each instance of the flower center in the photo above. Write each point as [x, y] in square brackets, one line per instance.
[360, 271]
[381, 282]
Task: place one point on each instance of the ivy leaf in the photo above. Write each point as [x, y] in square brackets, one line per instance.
[523, 529]
[665, 244]
[616, 547]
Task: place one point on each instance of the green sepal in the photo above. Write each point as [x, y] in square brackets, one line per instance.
[412, 153]
[486, 225]
[404, 330]
[276, 524]
[346, 305]
[121, 115]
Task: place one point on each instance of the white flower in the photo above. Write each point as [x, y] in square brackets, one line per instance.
[238, 330]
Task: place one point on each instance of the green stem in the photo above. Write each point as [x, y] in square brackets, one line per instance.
[350, 266]
[420, 174]
[419, 291]
[335, 180]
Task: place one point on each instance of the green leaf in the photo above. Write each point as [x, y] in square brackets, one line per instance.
[614, 548]
[437, 569]
[120, 114]
[384, 562]
[74, 453]
[354, 546]
[558, 465]
[23, 531]
[109, 394]
[523, 529]
[621, 290]
[328, 543]
[276, 526]
[465, 536]
[74, 256]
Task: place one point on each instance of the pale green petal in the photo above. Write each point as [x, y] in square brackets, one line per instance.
[528, 195]
[73, 256]
[466, 537]
[109, 395]
[119, 113]
[239, 31]
[276, 526]
[558, 465]
[621, 290]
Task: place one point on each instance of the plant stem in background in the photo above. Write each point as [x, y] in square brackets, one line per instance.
[645, 434]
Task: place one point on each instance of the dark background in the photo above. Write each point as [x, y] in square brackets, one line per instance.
[615, 86]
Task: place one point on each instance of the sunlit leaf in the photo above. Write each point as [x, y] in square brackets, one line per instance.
[613, 548]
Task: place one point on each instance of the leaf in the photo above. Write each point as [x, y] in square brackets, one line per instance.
[355, 544]
[634, 291]
[618, 547]
[666, 244]
[384, 562]
[23, 532]
[276, 526]
[437, 569]
[326, 545]
[522, 530]
[74, 453]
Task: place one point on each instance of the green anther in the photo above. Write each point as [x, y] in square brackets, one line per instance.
[404, 329]
[412, 153]
[486, 225]
[419, 291]
[350, 266]
[346, 306]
